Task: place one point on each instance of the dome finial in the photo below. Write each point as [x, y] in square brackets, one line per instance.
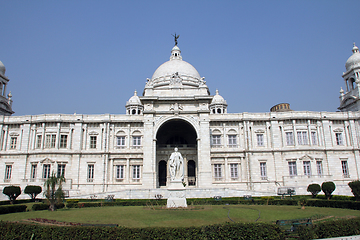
[355, 49]
[135, 93]
[217, 92]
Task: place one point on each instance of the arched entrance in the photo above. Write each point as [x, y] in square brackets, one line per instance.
[176, 133]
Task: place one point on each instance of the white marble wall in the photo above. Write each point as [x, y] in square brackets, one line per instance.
[247, 154]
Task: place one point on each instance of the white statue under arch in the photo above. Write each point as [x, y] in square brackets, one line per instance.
[176, 166]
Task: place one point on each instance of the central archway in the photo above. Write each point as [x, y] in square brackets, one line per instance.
[181, 134]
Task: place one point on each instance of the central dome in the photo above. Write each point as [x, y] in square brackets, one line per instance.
[175, 64]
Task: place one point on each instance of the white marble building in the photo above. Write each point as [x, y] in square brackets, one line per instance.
[227, 154]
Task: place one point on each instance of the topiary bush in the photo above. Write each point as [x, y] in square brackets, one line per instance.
[12, 192]
[32, 191]
[314, 189]
[355, 189]
[328, 188]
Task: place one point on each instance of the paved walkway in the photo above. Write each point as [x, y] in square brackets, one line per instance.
[357, 237]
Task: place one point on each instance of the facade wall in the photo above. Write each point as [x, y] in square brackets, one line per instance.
[248, 153]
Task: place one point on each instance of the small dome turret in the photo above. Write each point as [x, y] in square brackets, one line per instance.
[134, 100]
[218, 99]
[134, 105]
[218, 104]
[354, 59]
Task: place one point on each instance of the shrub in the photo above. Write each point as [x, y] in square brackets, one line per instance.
[314, 189]
[12, 192]
[32, 191]
[12, 209]
[44, 206]
[355, 189]
[328, 188]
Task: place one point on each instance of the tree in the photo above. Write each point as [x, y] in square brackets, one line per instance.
[314, 189]
[355, 189]
[32, 191]
[52, 194]
[12, 192]
[328, 188]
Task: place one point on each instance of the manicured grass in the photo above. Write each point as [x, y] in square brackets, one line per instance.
[137, 216]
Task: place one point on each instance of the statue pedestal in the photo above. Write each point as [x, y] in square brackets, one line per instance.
[176, 197]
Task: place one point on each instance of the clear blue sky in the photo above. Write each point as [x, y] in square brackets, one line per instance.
[88, 57]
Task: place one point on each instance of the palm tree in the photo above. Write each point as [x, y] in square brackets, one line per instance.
[52, 194]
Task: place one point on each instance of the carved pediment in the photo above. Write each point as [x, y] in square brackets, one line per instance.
[306, 158]
[47, 161]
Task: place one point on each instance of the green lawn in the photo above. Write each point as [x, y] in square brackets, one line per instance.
[203, 215]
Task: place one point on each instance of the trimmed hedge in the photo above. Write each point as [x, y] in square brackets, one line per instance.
[45, 206]
[334, 204]
[331, 229]
[222, 231]
[190, 201]
[12, 209]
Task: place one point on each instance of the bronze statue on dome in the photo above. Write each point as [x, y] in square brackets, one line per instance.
[176, 38]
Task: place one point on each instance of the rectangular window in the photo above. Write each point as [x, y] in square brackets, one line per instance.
[307, 169]
[136, 141]
[339, 140]
[46, 171]
[313, 138]
[136, 172]
[50, 141]
[263, 172]
[292, 169]
[289, 138]
[232, 141]
[260, 140]
[8, 169]
[319, 168]
[92, 142]
[234, 170]
[120, 141]
[216, 140]
[119, 172]
[38, 141]
[302, 138]
[90, 176]
[345, 169]
[61, 170]
[33, 171]
[63, 141]
[217, 172]
[13, 141]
